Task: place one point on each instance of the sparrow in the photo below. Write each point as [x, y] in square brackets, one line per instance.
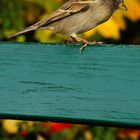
[76, 17]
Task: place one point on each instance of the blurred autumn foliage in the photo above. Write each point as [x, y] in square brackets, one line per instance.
[28, 130]
[15, 15]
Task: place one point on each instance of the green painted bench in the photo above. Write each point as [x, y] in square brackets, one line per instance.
[54, 82]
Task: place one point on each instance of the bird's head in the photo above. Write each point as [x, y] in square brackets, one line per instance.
[119, 4]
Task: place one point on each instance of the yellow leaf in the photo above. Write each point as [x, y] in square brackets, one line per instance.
[133, 9]
[43, 35]
[108, 29]
[10, 126]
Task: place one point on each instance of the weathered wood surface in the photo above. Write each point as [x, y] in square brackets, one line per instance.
[57, 83]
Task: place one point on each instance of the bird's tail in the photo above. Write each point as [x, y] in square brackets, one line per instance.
[28, 29]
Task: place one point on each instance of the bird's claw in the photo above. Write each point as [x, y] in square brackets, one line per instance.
[90, 43]
[83, 47]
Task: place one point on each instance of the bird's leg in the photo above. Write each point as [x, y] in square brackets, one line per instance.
[86, 42]
[77, 38]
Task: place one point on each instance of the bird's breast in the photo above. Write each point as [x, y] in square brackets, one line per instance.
[96, 17]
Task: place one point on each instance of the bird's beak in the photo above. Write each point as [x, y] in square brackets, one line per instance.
[123, 6]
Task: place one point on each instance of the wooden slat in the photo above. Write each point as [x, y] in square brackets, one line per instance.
[56, 83]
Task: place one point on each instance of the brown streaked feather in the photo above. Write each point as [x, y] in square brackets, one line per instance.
[68, 9]
[65, 11]
[28, 29]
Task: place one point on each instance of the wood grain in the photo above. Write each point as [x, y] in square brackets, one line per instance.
[49, 82]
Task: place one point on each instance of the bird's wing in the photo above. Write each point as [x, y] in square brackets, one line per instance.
[68, 9]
